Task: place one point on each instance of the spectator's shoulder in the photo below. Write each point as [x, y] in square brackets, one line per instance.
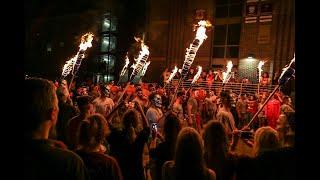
[66, 154]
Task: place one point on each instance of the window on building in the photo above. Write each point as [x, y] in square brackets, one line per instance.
[109, 61]
[108, 46]
[228, 8]
[109, 23]
[226, 41]
[106, 25]
[108, 78]
[108, 43]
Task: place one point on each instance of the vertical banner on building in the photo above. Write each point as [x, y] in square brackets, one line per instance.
[265, 12]
[251, 11]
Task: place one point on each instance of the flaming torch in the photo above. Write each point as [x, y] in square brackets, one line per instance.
[67, 68]
[138, 66]
[227, 74]
[86, 40]
[261, 63]
[141, 60]
[85, 44]
[124, 69]
[191, 52]
[174, 72]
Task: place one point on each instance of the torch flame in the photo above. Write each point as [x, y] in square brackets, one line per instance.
[201, 31]
[86, 41]
[141, 60]
[225, 74]
[261, 63]
[69, 65]
[196, 77]
[287, 67]
[74, 63]
[174, 72]
[124, 69]
[145, 49]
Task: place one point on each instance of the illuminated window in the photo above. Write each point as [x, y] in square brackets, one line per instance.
[109, 61]
[108, 43]
[108, 78]
[106, 25]
[109, 23]
[226, 41]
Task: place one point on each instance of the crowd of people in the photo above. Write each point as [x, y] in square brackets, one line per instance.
[211, 76]
[103, 131]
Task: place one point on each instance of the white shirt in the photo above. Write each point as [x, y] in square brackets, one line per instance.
[103, 106]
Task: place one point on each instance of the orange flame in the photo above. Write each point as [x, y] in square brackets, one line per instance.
[287, 67]
[261, 63]
[225, 74]
[144, 51]
[124, 69]
[69, 65]
[174, 72]
[196, 77]
[86, 41]
[201, 31]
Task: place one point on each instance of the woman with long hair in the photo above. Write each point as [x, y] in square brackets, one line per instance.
[164, 151]
[217, 154]
[93, 132]
[188, 162]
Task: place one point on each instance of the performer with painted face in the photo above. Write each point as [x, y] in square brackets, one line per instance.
[154, 113]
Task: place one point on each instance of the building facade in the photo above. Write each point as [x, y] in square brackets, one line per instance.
[263, 29]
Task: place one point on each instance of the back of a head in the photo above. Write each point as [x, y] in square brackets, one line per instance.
[130, 119]
[189, 154]
[171, 128]
[215, 138]
[83, 102]
[265, 139]
[40, 99]
[93, 131]
[225, 98]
